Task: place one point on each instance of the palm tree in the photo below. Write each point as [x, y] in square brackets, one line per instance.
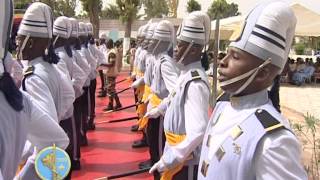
[173, 6]
[128, 13]
[111, 12]
[93, 8]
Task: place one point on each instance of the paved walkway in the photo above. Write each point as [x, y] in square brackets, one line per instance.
[304, 99]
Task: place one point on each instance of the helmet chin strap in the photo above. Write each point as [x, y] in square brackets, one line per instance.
[55, 40]
[23, 46]
[154, 49]
[251, 74]
[185, 52]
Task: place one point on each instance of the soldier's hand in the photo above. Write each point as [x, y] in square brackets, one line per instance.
[158, 166]
[153, 113]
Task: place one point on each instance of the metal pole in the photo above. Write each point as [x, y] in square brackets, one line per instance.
[215, 62]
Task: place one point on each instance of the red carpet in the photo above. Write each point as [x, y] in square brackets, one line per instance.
[109, 151]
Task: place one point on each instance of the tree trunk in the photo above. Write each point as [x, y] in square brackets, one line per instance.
[126, 39]
[94, 19]
[128, 28]
[173, 6]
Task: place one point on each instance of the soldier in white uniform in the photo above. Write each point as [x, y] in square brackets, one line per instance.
[99, 58]
[140, 39]
[42, 80]
[138, 84]
[186, 116]
[247, 138]
[85, 54]
[81, 97]
[165, 76]
[22, 119]
[68, 67]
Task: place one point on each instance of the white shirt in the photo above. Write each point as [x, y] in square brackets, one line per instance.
[277, 155]
[65, 67]
[31, 123]
[85, 67]
[58, 103]
[97, 54]
[169, 75]
[84, 57]
[196, 117]
[92, 61]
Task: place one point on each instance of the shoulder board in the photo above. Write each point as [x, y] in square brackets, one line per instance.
[162, 59]
[29, 71]
[268, 121]
[195, 74]
[223, 97]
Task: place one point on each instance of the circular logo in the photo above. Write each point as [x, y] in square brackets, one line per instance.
[52, 163]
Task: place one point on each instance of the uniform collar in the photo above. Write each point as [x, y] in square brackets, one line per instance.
[35, 61]
[250, 101]
[61, 48]
[194, 65]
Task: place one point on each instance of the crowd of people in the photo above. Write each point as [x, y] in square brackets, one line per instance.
[53, 102]
[301, 71]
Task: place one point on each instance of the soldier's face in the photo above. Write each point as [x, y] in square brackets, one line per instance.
[22, 53]
[152, 44]
[179, 49]
[234, 64]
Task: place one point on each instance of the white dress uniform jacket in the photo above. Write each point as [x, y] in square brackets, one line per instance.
[32, 124]
[191, 126]
[248, 139]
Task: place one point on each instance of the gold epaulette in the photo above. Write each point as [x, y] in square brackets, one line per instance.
[195, 74]
[29, 71]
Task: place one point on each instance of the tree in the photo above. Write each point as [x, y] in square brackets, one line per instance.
[111, 12]
[128, 13]
[93, 8]
[21, 4]
[193, 5]
[65, 8]
[155, 9]
[59, 7]
[222, 9]
[173, 6]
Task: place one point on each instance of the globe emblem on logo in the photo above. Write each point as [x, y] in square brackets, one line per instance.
[52, 163]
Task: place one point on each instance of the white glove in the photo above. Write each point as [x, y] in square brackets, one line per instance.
[137, 83]
[158, 166]
[153, 113]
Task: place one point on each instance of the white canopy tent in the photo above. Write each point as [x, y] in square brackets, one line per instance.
[308, 23]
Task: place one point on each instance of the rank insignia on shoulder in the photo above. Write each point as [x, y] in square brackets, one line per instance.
[268, 122]
[195, 74]
[29, 71]
[162, 59]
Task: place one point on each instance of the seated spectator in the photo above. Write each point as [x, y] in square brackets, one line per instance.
[299, 77]
[300, 65]
[317, 65]
[292, 69]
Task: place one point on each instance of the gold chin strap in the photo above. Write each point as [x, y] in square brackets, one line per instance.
[55, 40]
[23, 46]
[154, 49]
[186, 52]
[251, 74]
